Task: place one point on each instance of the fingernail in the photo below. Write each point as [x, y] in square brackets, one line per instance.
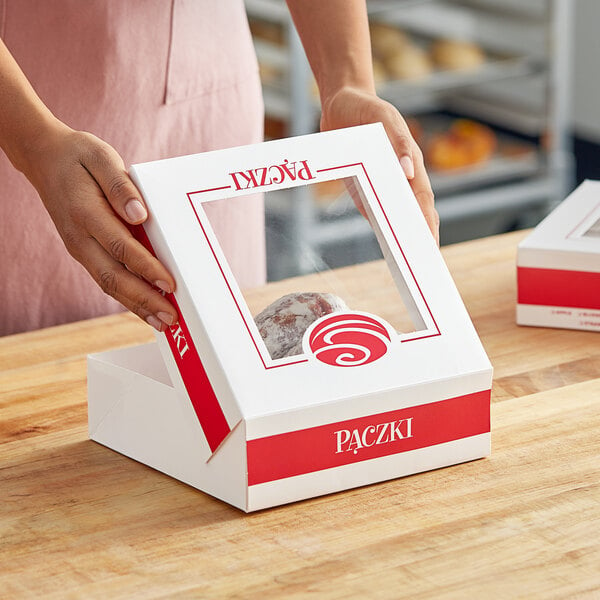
[163, 285]
[135, 211]
[165, 317]
[156, 323]
[407, 166]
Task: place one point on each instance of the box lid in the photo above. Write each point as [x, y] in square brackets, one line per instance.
[217, 357]
[569, 237]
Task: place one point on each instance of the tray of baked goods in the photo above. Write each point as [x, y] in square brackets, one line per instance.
[406, 62]
[460, 152]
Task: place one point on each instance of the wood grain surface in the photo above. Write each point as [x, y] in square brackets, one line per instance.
[80, 521]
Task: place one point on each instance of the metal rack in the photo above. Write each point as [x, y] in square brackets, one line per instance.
[522, 90]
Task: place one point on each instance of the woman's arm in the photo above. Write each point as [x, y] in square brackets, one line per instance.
[335, 36]
[84, 186]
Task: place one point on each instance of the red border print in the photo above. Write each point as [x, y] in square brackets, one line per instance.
[555, 287]
[436, 331]
[328, 446]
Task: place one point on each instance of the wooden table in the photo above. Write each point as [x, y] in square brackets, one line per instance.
[80, 521]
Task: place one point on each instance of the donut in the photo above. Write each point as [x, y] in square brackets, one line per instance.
[282, 324]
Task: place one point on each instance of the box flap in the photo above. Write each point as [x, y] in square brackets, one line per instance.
[569, 237]
[134, 409]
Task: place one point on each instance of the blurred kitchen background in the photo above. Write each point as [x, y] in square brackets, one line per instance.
[502, 96]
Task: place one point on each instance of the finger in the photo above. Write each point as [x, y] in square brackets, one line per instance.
[131, 291]
[421, 187]
[107, 168]
[412, 163]
[402, 142]
[119, 243]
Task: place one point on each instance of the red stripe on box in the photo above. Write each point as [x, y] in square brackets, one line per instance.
[556, 287]
[333, 445]
[200, 391]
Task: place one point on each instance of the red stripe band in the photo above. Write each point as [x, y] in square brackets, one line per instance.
[196, 382]
[200, 391]
[346, 442]
[555, 287]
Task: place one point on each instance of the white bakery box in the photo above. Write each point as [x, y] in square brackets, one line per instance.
[359, 401]
[558, 265]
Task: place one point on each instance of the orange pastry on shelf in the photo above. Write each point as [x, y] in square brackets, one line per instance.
[466, 143]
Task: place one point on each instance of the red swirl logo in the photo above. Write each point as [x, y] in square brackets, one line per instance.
[348, 339]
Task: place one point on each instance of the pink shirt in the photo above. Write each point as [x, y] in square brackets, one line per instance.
[155, 79]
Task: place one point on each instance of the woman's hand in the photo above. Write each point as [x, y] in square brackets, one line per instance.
[349, 106]
[335, 35]
[86, 190]
[84, 186]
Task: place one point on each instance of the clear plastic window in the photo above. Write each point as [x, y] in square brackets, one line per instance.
[323, 255]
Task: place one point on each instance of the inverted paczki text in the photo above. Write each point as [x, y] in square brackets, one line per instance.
[179, 339]
[352, 440]
[273, 174]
